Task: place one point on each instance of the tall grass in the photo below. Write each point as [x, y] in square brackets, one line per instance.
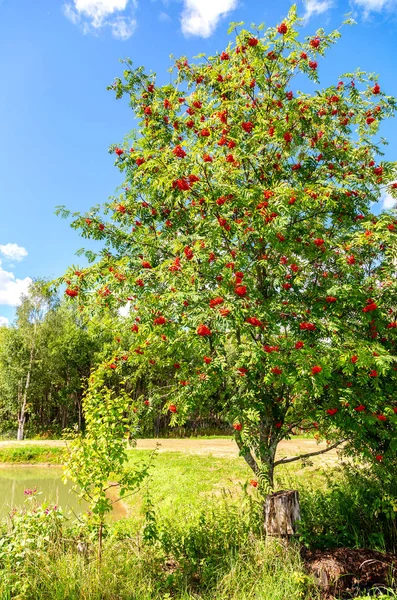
[128, 572]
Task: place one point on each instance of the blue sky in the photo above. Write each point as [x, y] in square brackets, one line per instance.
[57, 120]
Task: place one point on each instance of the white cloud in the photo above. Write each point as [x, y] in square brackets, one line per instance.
[98, 10]
[12, 288]
[388, 202]
[163, 16]
[13, 251]
[316, 7]
[200, 17]
[124, 311]
[4, 321]
[369, 6]
[122, 28]
[71, 14]
[96, 14]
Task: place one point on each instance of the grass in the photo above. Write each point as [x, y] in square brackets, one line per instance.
[180, 483]
[128, 572]
[206, 540]
[31, 454]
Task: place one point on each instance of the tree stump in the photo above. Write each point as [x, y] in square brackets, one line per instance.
[281, 513]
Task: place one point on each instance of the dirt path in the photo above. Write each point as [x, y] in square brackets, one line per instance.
[217, 447]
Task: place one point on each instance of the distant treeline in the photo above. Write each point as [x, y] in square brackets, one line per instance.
[46, 357]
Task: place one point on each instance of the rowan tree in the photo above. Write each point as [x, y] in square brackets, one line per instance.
[244, 243]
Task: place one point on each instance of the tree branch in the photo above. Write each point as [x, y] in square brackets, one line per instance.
[249, 459]
[251, 462]
[284, 461]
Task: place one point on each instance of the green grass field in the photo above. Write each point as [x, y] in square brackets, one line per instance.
[181, 483]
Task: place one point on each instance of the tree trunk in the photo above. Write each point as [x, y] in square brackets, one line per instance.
[78, 400]
[22, 412]
[19, 404]
[282, 511]
[100, 534]
[157, 426]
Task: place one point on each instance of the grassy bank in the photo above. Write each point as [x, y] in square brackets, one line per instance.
[31, 455]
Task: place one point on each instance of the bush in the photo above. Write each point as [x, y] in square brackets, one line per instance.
[216, 551]
[33, 533]
[357, 508]
[130, 572]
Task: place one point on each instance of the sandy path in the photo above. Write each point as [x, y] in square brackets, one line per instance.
[217, 447]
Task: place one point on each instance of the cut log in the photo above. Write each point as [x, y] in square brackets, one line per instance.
[281, 513]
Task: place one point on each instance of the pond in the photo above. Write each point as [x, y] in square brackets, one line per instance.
[48, 481]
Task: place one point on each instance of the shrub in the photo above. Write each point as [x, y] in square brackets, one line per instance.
[33, 533]
[357, 508]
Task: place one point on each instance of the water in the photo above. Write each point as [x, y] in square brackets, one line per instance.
[48, 481]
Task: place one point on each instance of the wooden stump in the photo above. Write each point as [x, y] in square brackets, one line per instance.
[281, 513]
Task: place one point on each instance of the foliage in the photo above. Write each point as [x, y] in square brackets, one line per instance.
[356, 508]
[144, 575]
[200, 546]
[67, 347]
[243, 247]
[205, 541]
[203, 560]
[342, 505]
[92, 460]
[34, 531]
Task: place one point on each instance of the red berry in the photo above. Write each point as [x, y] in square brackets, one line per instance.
[241, 290]
[72, 293]
[315, 42]
[203, 330]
